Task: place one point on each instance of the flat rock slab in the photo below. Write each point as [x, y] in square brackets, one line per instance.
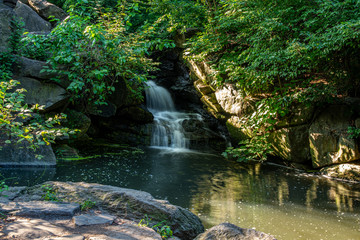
[32, 229]
[91, 219]
[41, 209]
[127, 231]
[10, 194]
[68, 237]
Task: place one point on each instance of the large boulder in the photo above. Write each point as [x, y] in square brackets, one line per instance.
[6, 15]
[292, 143]
[228, 231]
[129, 204]
[329, 140]
[27, 67]
[21, 155]
[49, 95]
[33, 22]
[47, 10]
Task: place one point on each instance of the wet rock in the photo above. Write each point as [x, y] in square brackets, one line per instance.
[31, 229]
[329, 141]
[49, 95]
[348, 171]
[136, 114]
[228, 231]
[64, 151]
[130, 204]
[33, 22]
[41, 209]
[91, 219]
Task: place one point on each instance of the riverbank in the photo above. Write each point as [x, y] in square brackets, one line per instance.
[77, 211]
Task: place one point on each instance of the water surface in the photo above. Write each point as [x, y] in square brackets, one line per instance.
[287, 204]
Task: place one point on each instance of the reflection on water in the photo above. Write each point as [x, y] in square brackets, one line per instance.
[278, 201]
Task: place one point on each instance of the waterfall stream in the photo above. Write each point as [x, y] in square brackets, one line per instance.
[167, 128]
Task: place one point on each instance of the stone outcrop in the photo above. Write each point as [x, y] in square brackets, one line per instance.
[6, 16]
[329, 140]
[21, 155]
[307, 134]
[49, 95]
[116, 215]
[46, 10]
[33, 22]
[230, 231]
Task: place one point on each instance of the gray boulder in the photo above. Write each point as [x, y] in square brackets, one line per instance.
[228, 231]
[33, 22]
[21, 155]
[49, 95]
[32, 68]
[46, 9]
[348, 171]
[6, 14]
[129, 204]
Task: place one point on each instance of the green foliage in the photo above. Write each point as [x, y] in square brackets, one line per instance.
[353, 132]
[49, 193]
[161, 228]
[88, 204]
[35, 46]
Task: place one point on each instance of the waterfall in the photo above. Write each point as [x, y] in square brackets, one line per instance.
[167, 128]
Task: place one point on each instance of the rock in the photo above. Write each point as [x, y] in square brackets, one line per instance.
[348, 171]
[8, 195]
[32, 68]
[31, 229]
[41, 209]
[329, 141]
[136, 114]
[46, 9]
[230, 99]
[237, 130]
[77, 120]
[21, 155]
[49, 95]
[202, 88]
[6, 14]
[210, 102]
[299, 114]
[10, 3]
[65, 152]
[107, 110]
[33, 22]
[291, 144]
[228, 231]
[68, 237]
[130, 204]
[127, 231]
[90, 219]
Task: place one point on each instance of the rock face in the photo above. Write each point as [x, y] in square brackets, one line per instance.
[6, 15]
[329, 141]
[129, 204]
[33, 22]
[49, 95]
[228, 231]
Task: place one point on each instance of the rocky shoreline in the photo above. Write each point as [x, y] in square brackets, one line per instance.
[78, 211]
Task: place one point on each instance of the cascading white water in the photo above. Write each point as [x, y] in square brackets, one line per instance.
[167, 129]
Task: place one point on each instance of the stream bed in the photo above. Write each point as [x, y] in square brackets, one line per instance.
[285, 203]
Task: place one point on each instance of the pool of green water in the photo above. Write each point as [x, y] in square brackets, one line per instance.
[287, 204]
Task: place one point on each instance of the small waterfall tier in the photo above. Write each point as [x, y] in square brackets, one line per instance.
[167, 129]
